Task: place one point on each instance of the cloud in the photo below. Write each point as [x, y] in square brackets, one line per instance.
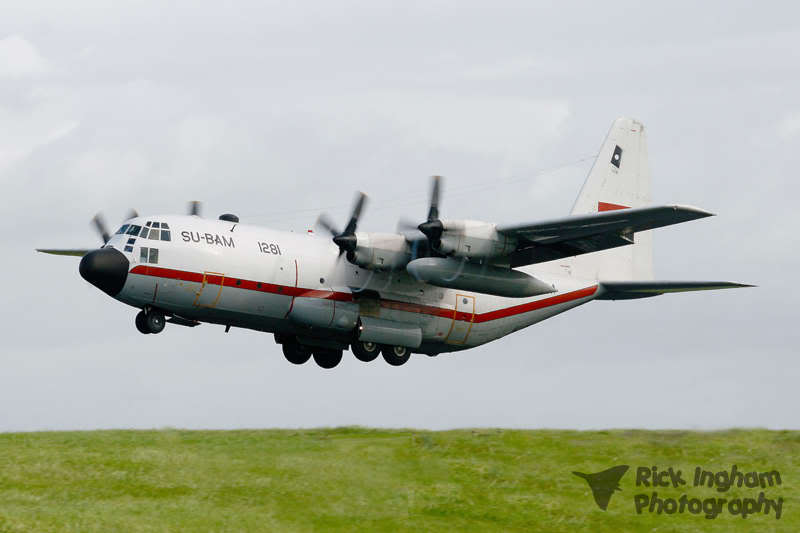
[20, 59]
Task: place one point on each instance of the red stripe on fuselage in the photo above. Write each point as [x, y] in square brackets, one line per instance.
[258, 286]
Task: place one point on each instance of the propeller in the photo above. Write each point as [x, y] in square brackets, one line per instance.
[433, 227]
[101, 227]
[194, 208]
[345, 240]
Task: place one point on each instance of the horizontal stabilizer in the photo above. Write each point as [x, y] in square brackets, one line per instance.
[628, 290]
[57, 251]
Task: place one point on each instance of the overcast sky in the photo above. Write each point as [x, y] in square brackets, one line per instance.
[278, 110]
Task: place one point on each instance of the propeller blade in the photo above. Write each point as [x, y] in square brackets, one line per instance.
[100, 225]
[194, 208]
[409, 229]
[324, 221]
[361, 198]
[132, 214]
[433, 211]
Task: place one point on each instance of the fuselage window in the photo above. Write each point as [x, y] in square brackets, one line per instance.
[154, 256]
[143, 255]
[123, 229]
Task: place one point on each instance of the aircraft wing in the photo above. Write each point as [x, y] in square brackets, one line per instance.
[59, 251]
[580, 234]
[629, 290]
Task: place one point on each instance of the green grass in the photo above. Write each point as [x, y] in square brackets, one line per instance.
[348, 479]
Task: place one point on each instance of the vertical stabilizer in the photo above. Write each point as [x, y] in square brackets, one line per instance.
[619, 179]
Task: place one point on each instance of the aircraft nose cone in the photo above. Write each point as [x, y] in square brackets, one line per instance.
[106, 269]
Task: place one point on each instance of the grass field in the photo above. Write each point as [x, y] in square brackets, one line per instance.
[348, 479]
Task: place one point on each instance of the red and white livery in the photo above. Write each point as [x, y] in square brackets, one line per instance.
[442, 286]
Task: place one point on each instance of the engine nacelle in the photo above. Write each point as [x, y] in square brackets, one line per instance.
[460, 274]
[326, 314]
[475, 239]
[380, 251]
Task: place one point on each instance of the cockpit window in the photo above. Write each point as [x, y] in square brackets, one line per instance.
[134, 230]
[123, 229]
[156, 231]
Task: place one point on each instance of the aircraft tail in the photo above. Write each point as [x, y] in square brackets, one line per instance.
[619, 179]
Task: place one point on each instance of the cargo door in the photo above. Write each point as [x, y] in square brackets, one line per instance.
[463, 317]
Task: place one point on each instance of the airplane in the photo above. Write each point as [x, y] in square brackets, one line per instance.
[438, 286]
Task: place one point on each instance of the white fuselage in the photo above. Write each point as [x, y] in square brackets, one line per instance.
[252, 277]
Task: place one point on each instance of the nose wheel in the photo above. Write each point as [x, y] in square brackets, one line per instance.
[151, 322]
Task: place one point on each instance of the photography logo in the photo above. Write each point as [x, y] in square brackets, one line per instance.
[603, 484]
[668, 491]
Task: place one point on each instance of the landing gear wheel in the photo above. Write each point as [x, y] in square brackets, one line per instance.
[141, 325]
[155, 321]
[365, 351]
[395, 355]
[296, 353]
[327, 358]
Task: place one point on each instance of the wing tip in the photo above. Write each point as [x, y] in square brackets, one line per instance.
[700, 213]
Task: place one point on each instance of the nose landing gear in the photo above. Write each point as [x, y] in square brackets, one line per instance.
[151, 321]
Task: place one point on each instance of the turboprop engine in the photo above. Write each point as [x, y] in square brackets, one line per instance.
[474, 239]
[379, 251]
[455, 274]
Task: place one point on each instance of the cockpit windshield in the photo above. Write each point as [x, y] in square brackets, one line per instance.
[133, 230]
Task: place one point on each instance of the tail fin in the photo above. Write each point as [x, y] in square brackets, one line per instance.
[620, 178]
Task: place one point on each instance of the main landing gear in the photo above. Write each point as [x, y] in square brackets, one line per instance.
[395, 355]
[369, 351]
[365, 351]
[150, 321]
[298, 354]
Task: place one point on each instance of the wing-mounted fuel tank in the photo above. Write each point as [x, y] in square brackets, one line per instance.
[380, 251]
[468, 276]
[323, 313]
[474, 239]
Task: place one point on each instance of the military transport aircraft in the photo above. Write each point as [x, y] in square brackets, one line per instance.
[439, 286]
